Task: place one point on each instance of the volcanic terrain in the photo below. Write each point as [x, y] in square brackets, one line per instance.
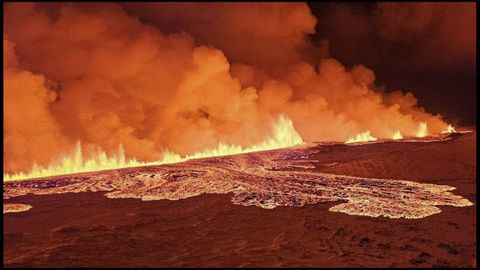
[381, 204]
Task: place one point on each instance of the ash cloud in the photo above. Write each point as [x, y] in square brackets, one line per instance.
[156, 77]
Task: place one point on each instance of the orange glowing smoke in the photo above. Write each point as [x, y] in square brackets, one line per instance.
[96, 74]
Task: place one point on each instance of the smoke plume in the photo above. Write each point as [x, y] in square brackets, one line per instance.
[180, 77]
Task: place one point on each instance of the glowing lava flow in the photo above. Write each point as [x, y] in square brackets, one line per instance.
[266, 179]
[362, 137]
[15, 207]
[450, 129]
[284, 135]
[397, 135]
[422, 130]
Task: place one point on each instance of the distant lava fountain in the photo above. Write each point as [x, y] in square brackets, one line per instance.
[284, 135]
[397, 135]
[450, 129]
[422, 130]
[362, 137]
[267, 179]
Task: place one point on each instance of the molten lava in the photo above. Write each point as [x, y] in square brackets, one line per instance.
[267, 179]
[284, 135]
[422, 130]
[450, 129]
[362, 137]
[397, 135]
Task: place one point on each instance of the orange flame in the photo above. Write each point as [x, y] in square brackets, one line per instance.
[284, 135]
[362, 137]
[422, 130]
[397, 135]
[450, 129]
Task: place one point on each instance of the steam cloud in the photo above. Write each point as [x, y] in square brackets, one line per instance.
[182, 78]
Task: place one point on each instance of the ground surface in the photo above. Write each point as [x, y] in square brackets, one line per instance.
[88, 229]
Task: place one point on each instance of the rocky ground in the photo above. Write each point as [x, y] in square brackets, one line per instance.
[89, 229]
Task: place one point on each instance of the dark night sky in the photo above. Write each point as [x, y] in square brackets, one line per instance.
[431, 50]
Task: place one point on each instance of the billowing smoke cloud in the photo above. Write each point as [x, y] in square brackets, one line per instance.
[181, 78]
[31, 132]
[266, 35]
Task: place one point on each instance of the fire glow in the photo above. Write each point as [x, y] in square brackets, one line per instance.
[284, 135]
[422, 130]
[362, 137]
[397, 135]
[252, 181]
[161, 96]
[450, 129]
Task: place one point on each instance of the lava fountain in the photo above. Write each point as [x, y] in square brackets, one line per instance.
[284, 135]
[362, 137]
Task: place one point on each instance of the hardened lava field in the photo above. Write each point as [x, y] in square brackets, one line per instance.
[395, 199]
[264, 179]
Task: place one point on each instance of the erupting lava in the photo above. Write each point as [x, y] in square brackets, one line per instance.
[397, 135]
[266, 179]
[284, 135]
[170, 89]
[362, 137]
[450, 129]
[422, 130]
